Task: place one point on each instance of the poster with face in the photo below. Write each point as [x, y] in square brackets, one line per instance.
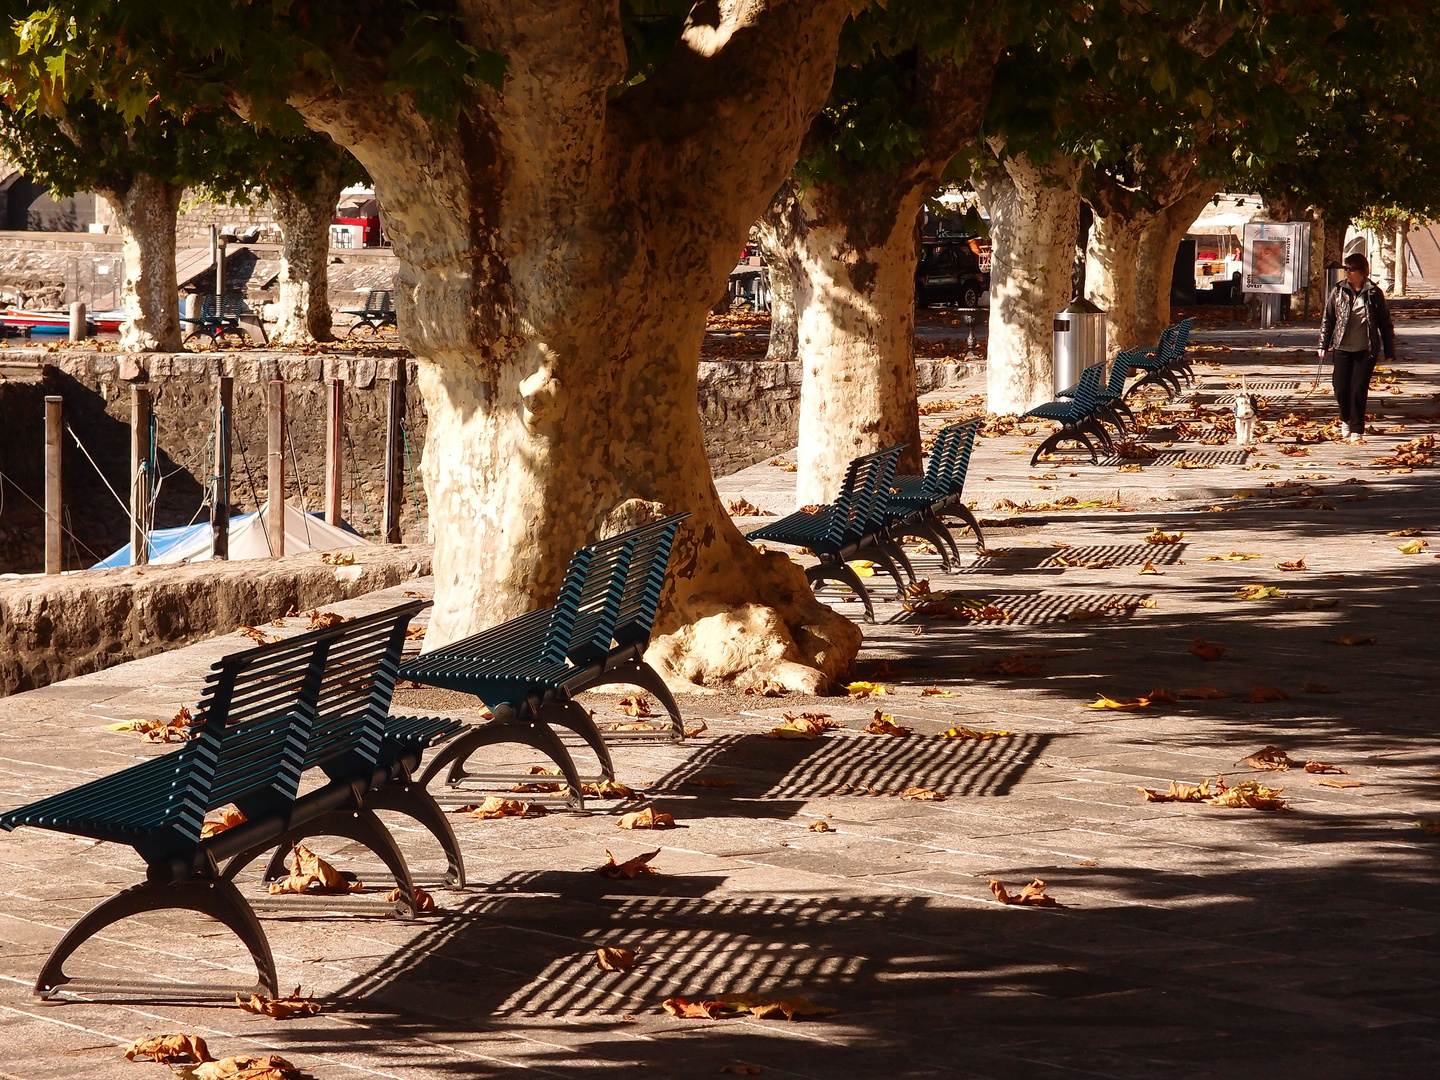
[1274, 257]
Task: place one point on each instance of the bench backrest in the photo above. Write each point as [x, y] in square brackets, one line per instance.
[1120, 371]
[356, 686]
[645, 579]
[1087, 390]
[865, 495]
[585, 611]
[950, 459]
[380, 301]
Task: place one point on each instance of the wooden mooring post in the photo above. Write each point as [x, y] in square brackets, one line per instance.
[220, 502]
[334, 436]
[54, 427]
[395, 456]
[141, 482]
[275, 469]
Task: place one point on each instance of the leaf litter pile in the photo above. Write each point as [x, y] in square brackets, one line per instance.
[197, 1063]
[1033, 895]
[733, 1005]
[179, 728]
[311, 874]
[1249, 794]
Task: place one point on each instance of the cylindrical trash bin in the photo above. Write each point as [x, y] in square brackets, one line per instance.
[1079, 341]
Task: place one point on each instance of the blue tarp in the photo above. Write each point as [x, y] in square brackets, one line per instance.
[162, 540]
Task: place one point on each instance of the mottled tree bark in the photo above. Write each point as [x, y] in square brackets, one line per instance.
[777, 229]
[857, 248]
[1155, 264]
[146, 210]
[559, 249]
[304, 216]
[1034, 210]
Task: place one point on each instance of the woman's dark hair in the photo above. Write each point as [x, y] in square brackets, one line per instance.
[1356, 261]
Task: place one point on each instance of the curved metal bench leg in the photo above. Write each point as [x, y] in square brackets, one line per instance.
[526, 732]
[216, 897]
[896, 551]
[967, 515]
[1047, 446]
[845, 574]
[883, 557]
[927, 529]
[637, 672]
[409, 797]
[572, 715]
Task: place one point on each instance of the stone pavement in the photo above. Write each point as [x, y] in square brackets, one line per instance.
[1189, 938]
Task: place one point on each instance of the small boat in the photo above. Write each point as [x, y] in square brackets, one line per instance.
[39, 322]
[106, 322]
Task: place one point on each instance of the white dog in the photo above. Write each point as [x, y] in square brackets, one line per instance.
[1244, 416]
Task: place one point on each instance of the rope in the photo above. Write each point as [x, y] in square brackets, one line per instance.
[355, 480]
[414, 488]
[299, 482]
[26, 496]
[129, 516]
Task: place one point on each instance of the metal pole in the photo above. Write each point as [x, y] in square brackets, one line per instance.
[394, 456]
[334, 432]
[54, 424]
[215, 255]
[140, 479]
[275, 469]
[77, 321]
[220, 504]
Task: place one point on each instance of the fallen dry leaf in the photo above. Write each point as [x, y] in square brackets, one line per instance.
[415, 633]
[1326, 782]
[694, 732]
[819, 826]
[1019, 664]
[1033, 894]
[312, 874]
[607, 789]
[320, 620]
[960, 731]
[922, 794]
[1413, 547]
[1322, 767]
[767, 688]
[1351, 639]
[1270, 757]
[1149, 568]
[246, 1067]
[497, 806]
[741, 1070]
[648, 818]
[338, 558]
[743, 507]
[168, 1048]
[935, 691]
[630, 868]
[1412, 531]
[178, 728]
[637, 705]
[1298, 564]
[281, 1008]
[1234, 556]
[1259, 694]
[884, 724]
[1155, 536]
[424, 902]
[866, 689]
[1201, 693]
[740, 1004]
[610, 958]
[256, 635]
[1248, 793]
[1207, 650]
[227, 818]
[803, 726]
[1103, 702]
[1260, 592]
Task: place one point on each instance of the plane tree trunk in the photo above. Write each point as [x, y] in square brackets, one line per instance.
[856, 244]
[304, 212]
[558, 254]
[777, 228]
[145, 210]
[1034, 210]
[1155, 264]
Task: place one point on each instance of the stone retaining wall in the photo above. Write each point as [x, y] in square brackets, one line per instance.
[56, 628]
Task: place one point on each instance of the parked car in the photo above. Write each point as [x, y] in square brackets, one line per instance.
[953, 270]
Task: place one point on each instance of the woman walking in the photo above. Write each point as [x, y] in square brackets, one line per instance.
[1357, 326]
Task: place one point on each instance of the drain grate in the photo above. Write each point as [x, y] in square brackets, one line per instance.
[1236, 456]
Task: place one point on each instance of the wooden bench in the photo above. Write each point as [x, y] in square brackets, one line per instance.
[264, 716]
[528, 669]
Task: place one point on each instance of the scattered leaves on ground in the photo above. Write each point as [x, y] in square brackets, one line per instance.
[497, 806]
[1149, 568]
[1326, 782]
[1157, 536]
[178, 728]
[960, 731]
[246, 1067]
[1247, 793]
[312, 874]
[1033, 895]
[1019, 664]
[1103, 702]
[424, 902]
[322, 620]
[819, 826]
[803, 726]
[256, 635]
[169, 1048]
[743, 507]
[227, 817]
[1207, 650]
[280, 1008]
[1322, 767]
[694, 731]
[1234, 556]
[733, 1005]
[630, 869]
[338, 558]
[636, 705]
[1261, 694]
[1260, 592]
[862, 690]
[1269, 757]
[415, 633]
[611, 958]
[648, 818]
[935, 691]
[922, 794]
[884, 724]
